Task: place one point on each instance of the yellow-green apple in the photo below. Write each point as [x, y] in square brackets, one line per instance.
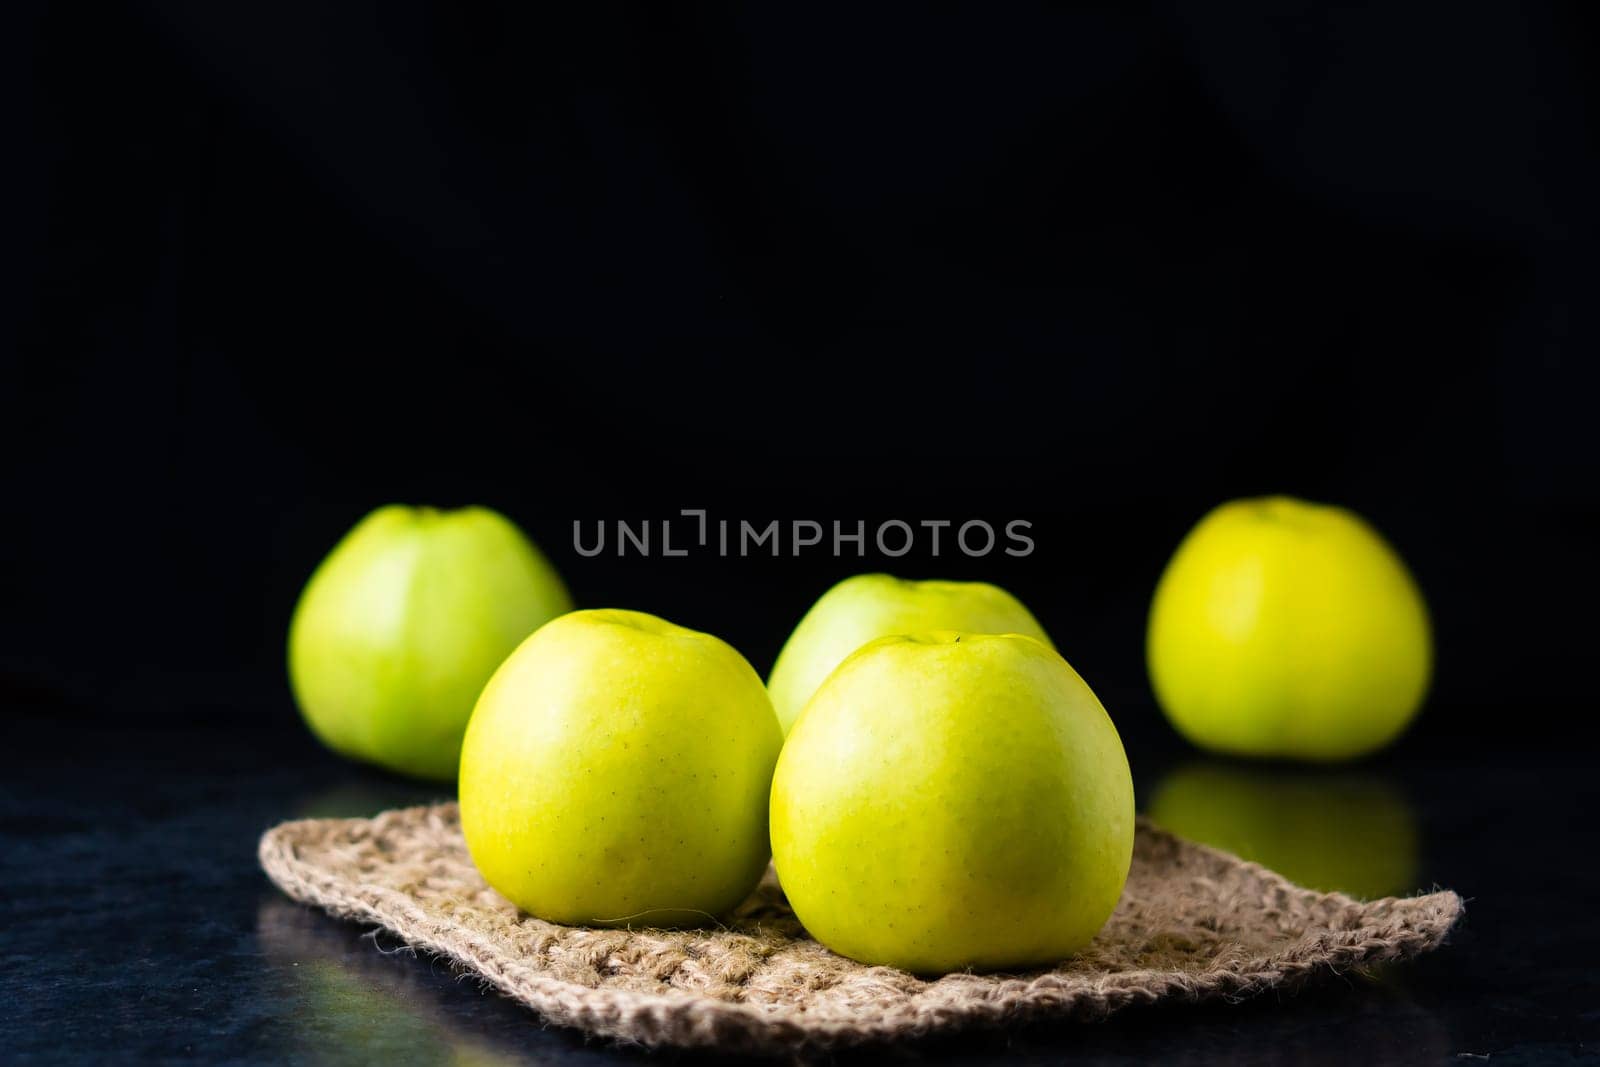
[616, 771]
[1323, 829]
[1288, 629]
[951, 801]
[401, 625]
[869, 606]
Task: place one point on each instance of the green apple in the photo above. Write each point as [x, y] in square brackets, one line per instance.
[615, 773]
[869, 606]
[1327, 830]
[401, 625]
[951, 801]
[1288, 629]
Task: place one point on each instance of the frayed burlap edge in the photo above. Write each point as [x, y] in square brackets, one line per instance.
[1194, 924]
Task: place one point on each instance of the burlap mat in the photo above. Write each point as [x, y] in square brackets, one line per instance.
[1194, 924]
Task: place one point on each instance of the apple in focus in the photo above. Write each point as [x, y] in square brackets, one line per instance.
[616, 773]
[402, 624]
[869, 606]
[952, 801]
[1288, 629]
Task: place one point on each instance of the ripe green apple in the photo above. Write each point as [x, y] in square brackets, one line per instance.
[615, 773]
[401, 625]
[1288, 629]
[1323, 829]
[951, 801]
[869, 606]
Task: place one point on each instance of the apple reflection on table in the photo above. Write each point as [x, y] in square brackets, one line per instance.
[1332, 829]
[346, 996]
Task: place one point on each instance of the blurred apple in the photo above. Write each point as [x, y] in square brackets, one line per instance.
[1288, 629]
[953, 800]
[1354, 833]
[616, 773]
[869, 606]
[399, 628]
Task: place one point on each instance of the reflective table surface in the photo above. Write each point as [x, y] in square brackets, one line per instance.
[135, 924]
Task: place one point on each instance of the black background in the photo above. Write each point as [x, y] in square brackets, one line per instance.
[1098, 269]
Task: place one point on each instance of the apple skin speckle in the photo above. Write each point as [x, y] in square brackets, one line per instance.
[635, 753]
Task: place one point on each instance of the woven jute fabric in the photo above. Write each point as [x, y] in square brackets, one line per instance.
[1193, 924]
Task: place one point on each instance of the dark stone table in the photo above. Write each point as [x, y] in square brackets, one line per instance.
[135, 925]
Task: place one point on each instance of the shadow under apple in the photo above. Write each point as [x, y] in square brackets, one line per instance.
[367, 793]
